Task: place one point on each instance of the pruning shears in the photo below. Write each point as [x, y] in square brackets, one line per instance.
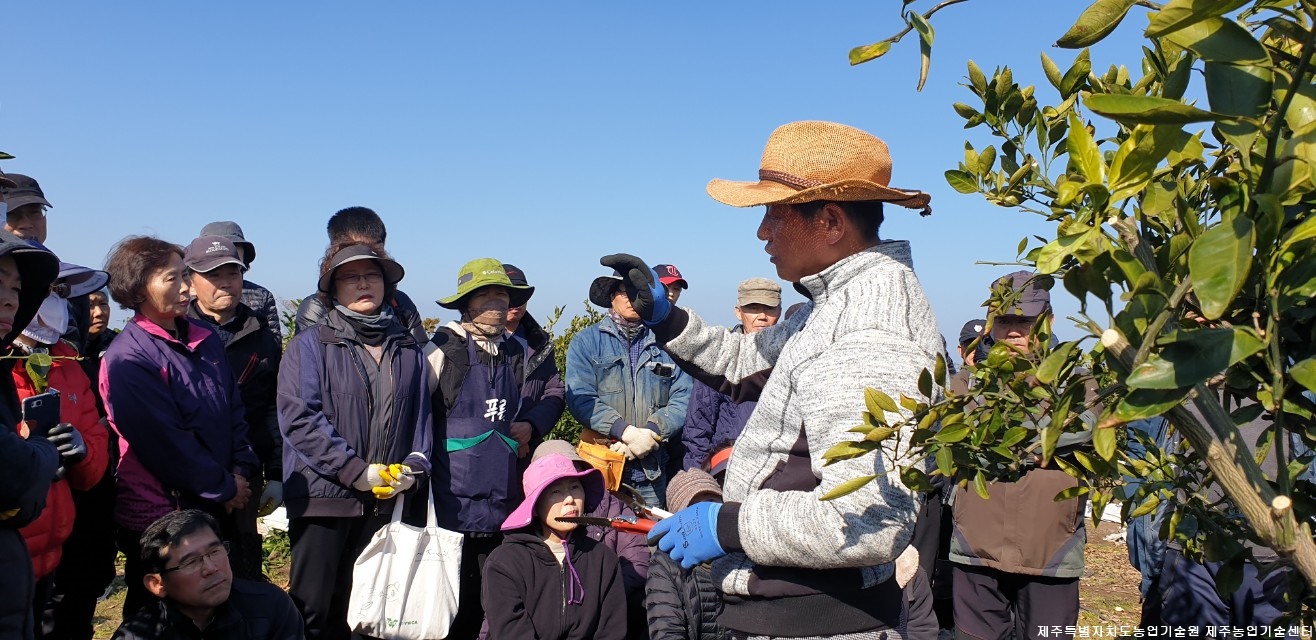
[625, 524]
[635, 501]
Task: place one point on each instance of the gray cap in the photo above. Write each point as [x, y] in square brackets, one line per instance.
[207, 253]
[233, 232]
[758, 291]
[1033, 293]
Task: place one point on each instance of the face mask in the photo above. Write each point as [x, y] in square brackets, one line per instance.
[51, 321]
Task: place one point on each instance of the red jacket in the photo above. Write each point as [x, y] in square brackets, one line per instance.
[46, 535]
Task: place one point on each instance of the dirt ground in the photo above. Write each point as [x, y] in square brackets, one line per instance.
[1108, 596]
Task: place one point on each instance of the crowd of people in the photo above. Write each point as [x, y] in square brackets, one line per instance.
[179, 431]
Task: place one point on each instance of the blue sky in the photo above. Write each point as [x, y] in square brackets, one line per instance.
[543, 134]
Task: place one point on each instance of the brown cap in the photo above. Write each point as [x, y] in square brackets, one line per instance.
[758, 291]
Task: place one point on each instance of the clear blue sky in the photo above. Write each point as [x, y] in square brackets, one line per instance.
[542, 134]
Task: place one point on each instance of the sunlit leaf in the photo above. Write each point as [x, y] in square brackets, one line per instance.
[1147, 403]
[1095, 23]
[915, 479]
[860, 55]
[848, 450]
[879, 434]
[1219, 262]
[848, 487]
[1051, 70]
[1305, 373]
[1049, 371]
[952, 433]
[1130, 109]
[1137, 157]
[961, 181]
[980, 485]
[1077, 73]
[1177, 14]
[1071, 493]
[1103, 440]
[977, 79]
[1221, 40]
[1194, 356]
[1238, 90]
[878, 401]
[946, 462]
[1084, 155]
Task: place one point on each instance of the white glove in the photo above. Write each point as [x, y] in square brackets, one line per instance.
[372, 477]
[620, 447]
[397, 478]
[270, 498]
[640, 441]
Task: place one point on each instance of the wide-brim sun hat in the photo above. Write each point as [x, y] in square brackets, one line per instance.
[813, 160]
[600, 290]
[38, 268]
[393, 272]
[485, 272]
[545, 471]
[81, 280]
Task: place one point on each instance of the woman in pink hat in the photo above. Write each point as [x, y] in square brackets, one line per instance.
[544, 582]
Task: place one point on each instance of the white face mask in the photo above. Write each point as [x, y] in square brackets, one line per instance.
[51, 321]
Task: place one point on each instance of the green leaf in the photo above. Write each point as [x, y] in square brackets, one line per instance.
[1221, 40]
[1219, 261]
[952, 433]
[1304, 373]
[1104, 442]
[915, 479]
[879, 434]
[1194, 356]
[1301, 113]
[1052, 71]
[1238, 90]
[925, 383]
[1070, 493]
[946, 462]
[878, 401]
[961, 181]
[1052, 256]
[1049, 371]
[1014, 436]
[922, 26]
[860, 55]
[980, 485]
[1148, 403]
[861, 428]
[939, 371]
[964, 110]
[925, 60]
[1128, 109]
[1146, 507]
[977, 79]
[848, 487]
[1136, 159]
[1178, 14]
[1080, 70]
[986, 159]
[1306, 230]
[1096, 22]
[846, 450]
[1084, 155]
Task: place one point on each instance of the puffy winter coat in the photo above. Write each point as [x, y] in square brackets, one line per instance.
[326, 417]
[682, 605]
[46, 535]
[713, 419]
[180, 420]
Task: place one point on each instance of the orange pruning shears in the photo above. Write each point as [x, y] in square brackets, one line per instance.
[625, 524]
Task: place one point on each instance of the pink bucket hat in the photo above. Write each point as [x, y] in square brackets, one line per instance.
[545, 471]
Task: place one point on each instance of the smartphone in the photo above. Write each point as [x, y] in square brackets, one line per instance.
[41, 412]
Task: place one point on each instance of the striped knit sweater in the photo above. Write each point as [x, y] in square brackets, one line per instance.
[868, 325]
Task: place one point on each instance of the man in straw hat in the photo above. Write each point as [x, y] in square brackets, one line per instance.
[789, 563]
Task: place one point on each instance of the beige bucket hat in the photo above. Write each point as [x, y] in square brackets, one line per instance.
[814, 160]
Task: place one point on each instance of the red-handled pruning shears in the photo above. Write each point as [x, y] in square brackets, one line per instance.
[624, 524]
[635, 501]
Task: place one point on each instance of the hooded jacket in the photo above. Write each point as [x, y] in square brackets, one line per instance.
[797, 565]
[543, 395]
[46, 535]
[254, 353]
[312, 312]
[325, 414]
[525, 591]
[27, 466]
[605, 394]
[178, 413]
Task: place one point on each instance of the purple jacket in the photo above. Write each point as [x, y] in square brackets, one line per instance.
[181, 424]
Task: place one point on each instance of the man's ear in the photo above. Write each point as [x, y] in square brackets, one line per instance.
[834, 222]
[154, 583]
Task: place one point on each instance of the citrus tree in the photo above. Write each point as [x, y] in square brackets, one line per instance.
[1185, 231]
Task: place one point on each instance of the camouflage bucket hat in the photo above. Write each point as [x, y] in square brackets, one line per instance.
[485, 272]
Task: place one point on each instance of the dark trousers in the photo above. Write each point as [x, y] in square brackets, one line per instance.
[1189, 598]
[134, 570]
[470, 611]
[86, 567]
[324, 551]
[932, 539]
[995, 605]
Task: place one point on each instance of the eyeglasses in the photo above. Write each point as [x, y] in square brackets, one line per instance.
[19, 215]
[193, 563]
[355, 278]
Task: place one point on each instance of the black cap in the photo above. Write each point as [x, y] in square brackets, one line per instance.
[972, 330]
[515, 274]
[208, 253]
[25, 191]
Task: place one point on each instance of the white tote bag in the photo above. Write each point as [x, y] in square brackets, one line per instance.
[405, 582]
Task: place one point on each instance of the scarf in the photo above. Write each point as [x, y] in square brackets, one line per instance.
[51, 321]
[628, 328]
[370, 330]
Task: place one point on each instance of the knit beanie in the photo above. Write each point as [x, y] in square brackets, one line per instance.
[556, 448]
[685, 485]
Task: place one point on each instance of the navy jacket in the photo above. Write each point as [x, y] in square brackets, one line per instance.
[253, 611]
[712, 420]
[324, 414]
[543, 395]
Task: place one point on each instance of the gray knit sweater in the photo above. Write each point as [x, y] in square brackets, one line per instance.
[868, 325]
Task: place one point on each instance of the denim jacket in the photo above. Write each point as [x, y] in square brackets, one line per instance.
[604, 394]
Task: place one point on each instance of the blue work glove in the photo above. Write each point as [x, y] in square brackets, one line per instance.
[646, 292]
[690, 535]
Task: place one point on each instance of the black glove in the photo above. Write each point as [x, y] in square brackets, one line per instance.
[646, 292]
[68, 442]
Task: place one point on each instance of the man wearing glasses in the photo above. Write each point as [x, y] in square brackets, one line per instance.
[199, 598]
[27, 204]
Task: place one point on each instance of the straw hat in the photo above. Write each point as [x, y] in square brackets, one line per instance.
[811, 161]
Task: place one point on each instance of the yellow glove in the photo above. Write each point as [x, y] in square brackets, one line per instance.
[397, 478]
